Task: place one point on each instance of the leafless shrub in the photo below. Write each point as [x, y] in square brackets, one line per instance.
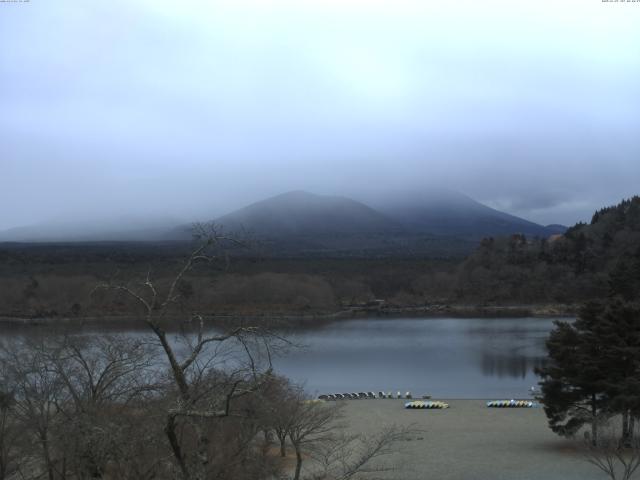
[616, 458]
[351, 456]
[37, 392]
[313, 423]
[75, 399]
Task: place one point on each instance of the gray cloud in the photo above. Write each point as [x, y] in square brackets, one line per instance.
[187, 109]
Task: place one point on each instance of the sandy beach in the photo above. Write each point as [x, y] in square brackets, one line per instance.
[469, 441]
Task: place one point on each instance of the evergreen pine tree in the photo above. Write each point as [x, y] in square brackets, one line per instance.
[593, 369]
[572, 382]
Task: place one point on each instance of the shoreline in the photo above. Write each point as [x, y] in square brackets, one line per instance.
[293, 319]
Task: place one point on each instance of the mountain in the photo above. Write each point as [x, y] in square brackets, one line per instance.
[449, 213]
[432, 212]
[431, 222]
[302, 213]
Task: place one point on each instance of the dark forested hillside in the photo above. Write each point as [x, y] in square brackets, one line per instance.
[590, 260]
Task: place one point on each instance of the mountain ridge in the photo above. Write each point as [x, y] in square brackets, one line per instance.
[444, 213]
[447, 212]
[306, 221]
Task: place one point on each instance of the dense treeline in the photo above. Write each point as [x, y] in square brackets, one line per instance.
[246, 285]
[586, 262]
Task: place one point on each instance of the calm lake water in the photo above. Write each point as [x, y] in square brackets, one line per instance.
[443, 357]
[447, 357]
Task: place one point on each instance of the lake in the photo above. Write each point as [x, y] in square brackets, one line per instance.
[443, 357]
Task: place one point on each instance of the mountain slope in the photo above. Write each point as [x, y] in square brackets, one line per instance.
[302, 213]
[451, 213]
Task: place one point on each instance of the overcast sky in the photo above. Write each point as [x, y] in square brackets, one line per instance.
[190, 108]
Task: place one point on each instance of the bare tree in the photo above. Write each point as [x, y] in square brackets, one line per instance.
[103, 376]
[317, 433]
[279, 400]
[37, 392]
[73, 396]
[312, 422]
[348, 456]
[10, 438]
[203, 392]
[104, 370]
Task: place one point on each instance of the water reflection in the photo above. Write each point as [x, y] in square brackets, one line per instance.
[510, 349]
[514, 365]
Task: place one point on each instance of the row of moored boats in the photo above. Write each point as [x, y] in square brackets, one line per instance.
[511, 404]
[422, 404]
[366, 395]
